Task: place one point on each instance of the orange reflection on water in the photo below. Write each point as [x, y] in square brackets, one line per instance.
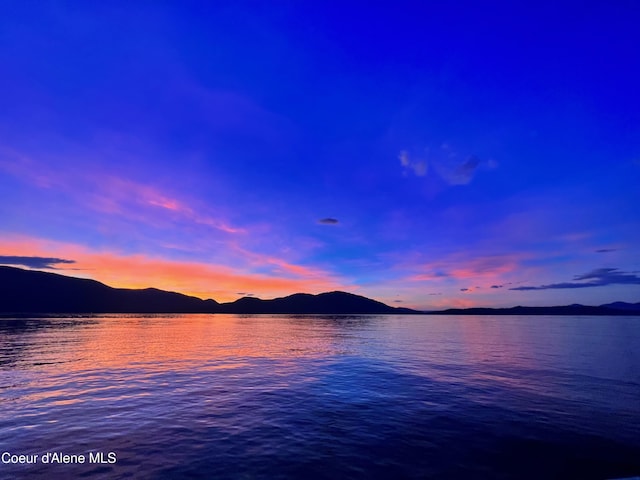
[65, 360]
[162, 342]
[96, 357]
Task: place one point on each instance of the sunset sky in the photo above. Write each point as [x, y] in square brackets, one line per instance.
[425, 154]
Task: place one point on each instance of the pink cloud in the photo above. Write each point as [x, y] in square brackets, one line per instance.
[281, 266]
[107, 193]
[487, 269]
[460, 280]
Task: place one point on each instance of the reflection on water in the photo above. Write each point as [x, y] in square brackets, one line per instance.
[198, 396]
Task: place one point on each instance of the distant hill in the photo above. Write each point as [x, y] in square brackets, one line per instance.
[29, 291]
[620, 308]
[633, 307]
[35, 292]
[326, 303]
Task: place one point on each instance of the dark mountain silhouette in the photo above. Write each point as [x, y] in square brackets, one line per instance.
[326, 303]
[621, 308]
[29, 291]
[633, 307]
[36, 292]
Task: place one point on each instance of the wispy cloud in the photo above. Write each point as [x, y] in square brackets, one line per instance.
[280, 267]
[596, 278]
[470, 289]
[147, 203]
[33, 262]
[415, 166]
[462, 173]
[461, 267]
[441, 278]
[445, 163]
[114, 195]
[457, 171]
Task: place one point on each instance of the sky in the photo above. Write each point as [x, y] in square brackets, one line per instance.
[425, 154]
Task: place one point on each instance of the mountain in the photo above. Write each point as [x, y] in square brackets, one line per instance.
[632, 307]
[35, 292]
[622, 308]
[304, 303]
[29, 291]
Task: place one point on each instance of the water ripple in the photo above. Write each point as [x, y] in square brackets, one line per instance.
[198, 396]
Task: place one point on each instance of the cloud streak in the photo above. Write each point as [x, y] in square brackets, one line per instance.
[597, 278]
[418, 167]
[460, 267]
[33, 262]
[114, 195]
[445, 163]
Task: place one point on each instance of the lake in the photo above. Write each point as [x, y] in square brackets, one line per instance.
[320, 397]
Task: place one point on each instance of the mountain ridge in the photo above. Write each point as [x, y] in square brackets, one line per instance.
[621, 308]
[36, 292]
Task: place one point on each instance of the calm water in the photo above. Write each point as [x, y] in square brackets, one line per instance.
[198, 396]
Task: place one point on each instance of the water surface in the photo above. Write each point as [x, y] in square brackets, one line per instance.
[228, 396]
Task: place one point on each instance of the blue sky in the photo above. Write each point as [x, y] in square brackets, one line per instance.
[468, 154]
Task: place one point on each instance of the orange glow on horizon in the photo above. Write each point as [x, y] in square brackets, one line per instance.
[201, 280]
